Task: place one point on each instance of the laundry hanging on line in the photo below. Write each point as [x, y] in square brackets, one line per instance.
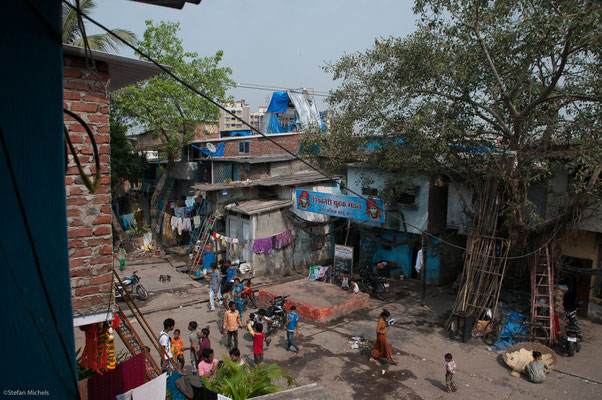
[276, 242]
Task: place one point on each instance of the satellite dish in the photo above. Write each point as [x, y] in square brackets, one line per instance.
[211, 147]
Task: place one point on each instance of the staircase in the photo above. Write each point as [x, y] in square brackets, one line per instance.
[199, 247]
[132, 340]
[542, 301]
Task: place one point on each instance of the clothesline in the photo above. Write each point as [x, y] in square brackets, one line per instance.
[268, 245]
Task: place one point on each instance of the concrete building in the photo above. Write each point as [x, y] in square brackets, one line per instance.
[239, 108]
[257, 116]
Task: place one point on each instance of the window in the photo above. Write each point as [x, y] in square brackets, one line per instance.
[368, 191]
[244, 147]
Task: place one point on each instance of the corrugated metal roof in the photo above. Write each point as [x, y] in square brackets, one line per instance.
[253, 207]
[256, 159]
[283, 180]
[124, 71]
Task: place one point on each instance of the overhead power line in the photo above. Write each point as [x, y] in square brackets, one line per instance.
[330, 178]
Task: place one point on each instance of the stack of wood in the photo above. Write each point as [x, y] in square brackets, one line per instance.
[485, 261]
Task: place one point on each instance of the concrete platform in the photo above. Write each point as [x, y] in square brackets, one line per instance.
[318, 301]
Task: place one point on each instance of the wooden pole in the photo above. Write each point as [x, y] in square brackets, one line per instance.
[348, 229]
[423, 270]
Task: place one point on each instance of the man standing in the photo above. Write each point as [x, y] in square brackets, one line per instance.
[165, 342]
[214, 286]
[292, 326]
[231, 325]
[194, 344]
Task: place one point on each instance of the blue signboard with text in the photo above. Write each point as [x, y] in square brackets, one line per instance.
[339, 205]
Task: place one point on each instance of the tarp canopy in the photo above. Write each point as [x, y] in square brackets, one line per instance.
[307, 111]
[219, 150]
[279, 102]
[235, 133]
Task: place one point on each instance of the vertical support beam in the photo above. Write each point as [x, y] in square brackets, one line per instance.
[423, 271]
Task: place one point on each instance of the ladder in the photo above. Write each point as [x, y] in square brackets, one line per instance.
[199, 247]
[132, 340]
[542, 301]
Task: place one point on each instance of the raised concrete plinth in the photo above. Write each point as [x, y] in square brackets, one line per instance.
[319, 301]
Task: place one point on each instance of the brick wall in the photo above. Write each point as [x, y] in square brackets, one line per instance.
[261, 146]
[88, 215]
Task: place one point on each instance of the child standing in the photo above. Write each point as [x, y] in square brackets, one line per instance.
[231, 324]
[292, 327]
[450, 370]
[177, 348]
[258, 338]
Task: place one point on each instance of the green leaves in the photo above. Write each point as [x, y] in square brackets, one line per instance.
[476, 81]
[239, 383]
[163, 105]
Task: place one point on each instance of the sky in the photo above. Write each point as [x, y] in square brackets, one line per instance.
[283, 43]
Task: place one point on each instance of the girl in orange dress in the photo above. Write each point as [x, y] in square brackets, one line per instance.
[381, 347]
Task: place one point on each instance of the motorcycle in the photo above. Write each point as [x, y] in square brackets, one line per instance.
[374, 285]
[133, 286]
[275, 312]
[247, 293]
[574, 336]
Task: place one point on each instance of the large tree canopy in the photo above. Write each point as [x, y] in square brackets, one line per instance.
[164, 106]
[508, 90]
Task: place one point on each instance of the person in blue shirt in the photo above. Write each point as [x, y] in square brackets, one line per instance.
[230, 272]
[292, 328]
[238, 300]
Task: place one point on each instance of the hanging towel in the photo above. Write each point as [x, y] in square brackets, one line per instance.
[180, 225]
[153, 390]
[179, 212]
[174, 223]
[189, 202]
[197, 221]
[262, 246]
[186, 225]
[167, 226]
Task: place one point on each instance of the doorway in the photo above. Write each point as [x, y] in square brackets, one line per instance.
[579, 285]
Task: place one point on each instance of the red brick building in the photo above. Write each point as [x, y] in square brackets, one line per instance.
[86, 93]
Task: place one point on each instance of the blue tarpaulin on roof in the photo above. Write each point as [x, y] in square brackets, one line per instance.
[275, 127]
[219, 151]
[235, 133]
[279, 102]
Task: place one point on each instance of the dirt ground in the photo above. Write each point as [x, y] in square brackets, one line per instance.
[418, 341]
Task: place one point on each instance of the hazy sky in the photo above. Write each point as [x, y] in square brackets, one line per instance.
[281, 43]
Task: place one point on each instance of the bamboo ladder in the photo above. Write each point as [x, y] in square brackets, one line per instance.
[132, 340]
[199, 247]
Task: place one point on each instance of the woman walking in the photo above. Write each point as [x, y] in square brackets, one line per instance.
[381, 347]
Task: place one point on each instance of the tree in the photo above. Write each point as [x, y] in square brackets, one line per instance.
[164, 106]
[126, 165]
[73, 35]
[503, 93]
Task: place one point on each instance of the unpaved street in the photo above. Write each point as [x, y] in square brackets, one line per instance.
[418, 341]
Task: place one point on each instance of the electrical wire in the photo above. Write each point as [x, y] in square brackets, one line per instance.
[332, 179]
[35, 256]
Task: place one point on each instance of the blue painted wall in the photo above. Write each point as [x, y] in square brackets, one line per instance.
[31, 119]
[402, 256]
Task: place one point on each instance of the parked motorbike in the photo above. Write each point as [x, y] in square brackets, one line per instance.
[133, 286]
[574, 336]
[247, 293]
[374, 285]
[275, 312]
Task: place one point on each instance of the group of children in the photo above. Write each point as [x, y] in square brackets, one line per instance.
[202, 355]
